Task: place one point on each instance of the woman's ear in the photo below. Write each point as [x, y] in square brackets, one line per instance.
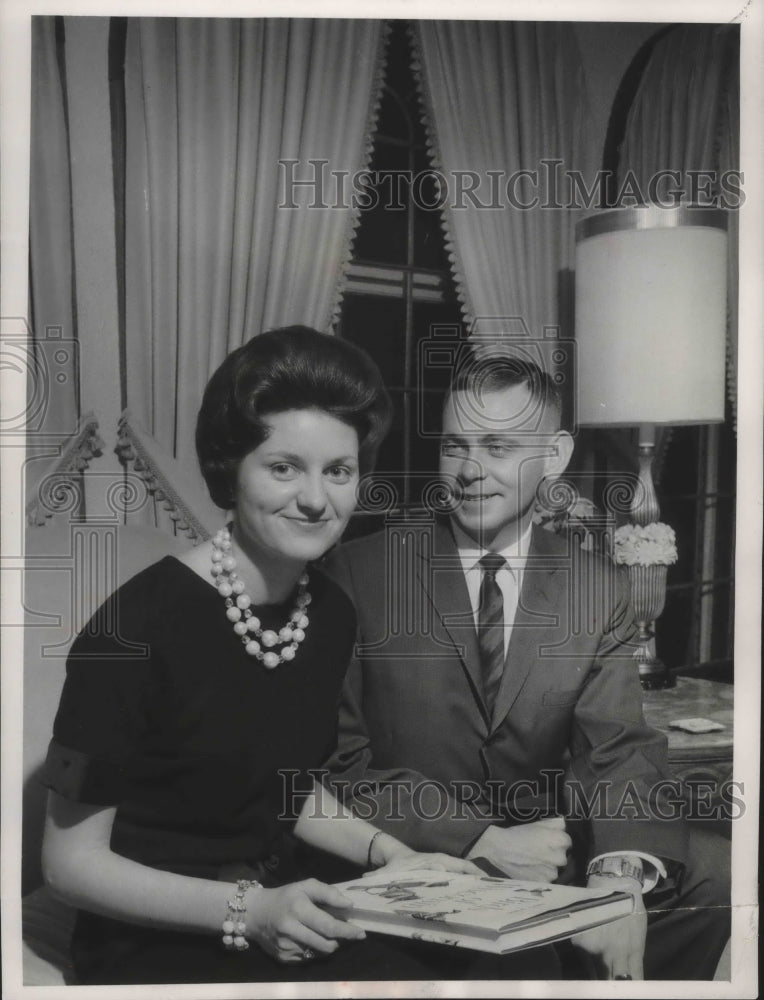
[562, 452]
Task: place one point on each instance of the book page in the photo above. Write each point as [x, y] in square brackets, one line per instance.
[469, 901]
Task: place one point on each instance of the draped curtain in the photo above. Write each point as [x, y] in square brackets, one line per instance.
[212, 255]
[685, 117]
[51, 286]
[505, 96]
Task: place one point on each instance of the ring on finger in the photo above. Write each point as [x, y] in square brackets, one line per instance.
[308, 955]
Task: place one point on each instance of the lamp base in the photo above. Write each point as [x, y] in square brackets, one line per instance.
[648, 596]
[654, 675]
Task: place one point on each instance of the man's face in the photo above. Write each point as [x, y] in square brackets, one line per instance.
[498, 447]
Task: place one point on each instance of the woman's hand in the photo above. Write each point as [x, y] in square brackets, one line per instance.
[387, 854]
[286, 922]
[437, 862]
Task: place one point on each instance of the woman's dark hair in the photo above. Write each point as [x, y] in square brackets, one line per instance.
[294, 368]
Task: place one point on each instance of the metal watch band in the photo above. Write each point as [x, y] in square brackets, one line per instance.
[620, 867]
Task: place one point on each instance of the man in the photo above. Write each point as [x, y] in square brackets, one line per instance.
[495, 693]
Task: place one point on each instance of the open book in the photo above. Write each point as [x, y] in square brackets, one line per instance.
[478, 911]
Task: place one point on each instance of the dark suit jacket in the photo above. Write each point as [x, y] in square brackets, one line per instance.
[412, 720]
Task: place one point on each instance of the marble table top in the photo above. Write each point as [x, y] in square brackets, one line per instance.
[691, 699]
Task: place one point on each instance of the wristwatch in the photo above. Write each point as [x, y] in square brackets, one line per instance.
[617, 866]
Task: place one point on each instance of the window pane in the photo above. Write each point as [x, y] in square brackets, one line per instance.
[727, 456]
[431, 372]
[429, 249]
[390, 460]
[680, 515]
[674, 639]
[394, 119]
[424, 452]
[398, 72]
[697, 499]
[722, 634]
[679, 473]
[382, 231]
[724, 562]
[378, 323]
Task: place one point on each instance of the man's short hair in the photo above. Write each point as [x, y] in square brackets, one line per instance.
[494, 372]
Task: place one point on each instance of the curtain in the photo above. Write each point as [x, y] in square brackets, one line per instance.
[53, 397]
[685, 117]
[504, 97]
[212, 255]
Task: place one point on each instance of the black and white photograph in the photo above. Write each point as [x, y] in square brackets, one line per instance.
[381, 443]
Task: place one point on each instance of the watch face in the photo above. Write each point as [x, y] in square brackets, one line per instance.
[616, 866]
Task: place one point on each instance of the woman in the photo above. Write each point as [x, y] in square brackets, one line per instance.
[202, 693]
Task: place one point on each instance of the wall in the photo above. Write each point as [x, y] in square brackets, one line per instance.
[607, 49]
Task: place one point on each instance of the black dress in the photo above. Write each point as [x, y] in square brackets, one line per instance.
[206, 755]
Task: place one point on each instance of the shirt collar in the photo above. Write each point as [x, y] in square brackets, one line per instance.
[470, 553]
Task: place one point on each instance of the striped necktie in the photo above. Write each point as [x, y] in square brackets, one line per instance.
[491, 627]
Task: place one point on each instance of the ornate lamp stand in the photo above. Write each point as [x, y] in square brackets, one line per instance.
[647, 547]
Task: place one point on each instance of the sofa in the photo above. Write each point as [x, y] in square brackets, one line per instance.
[70, 567]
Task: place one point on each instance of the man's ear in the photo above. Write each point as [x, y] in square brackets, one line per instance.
[562, 452]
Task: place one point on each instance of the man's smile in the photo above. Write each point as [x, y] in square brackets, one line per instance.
[305, 522]
[478, 497]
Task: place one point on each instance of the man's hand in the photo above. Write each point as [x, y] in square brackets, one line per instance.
[531, 851]
[617, 949]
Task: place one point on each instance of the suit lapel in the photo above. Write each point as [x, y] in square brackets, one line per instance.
[442, 580]
[538, 612]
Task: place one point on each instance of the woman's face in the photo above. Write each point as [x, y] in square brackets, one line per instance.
[296, 491]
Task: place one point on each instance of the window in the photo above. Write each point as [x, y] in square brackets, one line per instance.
[399, 282]
[695, 486]
[696, 491]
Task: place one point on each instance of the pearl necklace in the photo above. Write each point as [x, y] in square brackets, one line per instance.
[245, 624]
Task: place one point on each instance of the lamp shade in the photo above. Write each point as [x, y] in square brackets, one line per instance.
[651, 316]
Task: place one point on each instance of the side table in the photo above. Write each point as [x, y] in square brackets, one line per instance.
[705, 758]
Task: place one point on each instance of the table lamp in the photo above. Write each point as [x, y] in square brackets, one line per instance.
[651, 322]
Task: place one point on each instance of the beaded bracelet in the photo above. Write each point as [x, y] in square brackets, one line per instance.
[371, 844]
[234, 925]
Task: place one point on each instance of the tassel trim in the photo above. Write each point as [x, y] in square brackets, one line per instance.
[366, 152]
[436, 159]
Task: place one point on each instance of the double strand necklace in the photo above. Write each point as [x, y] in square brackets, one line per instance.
[238, 609]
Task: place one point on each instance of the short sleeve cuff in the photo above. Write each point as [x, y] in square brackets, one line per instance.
[78, 776]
